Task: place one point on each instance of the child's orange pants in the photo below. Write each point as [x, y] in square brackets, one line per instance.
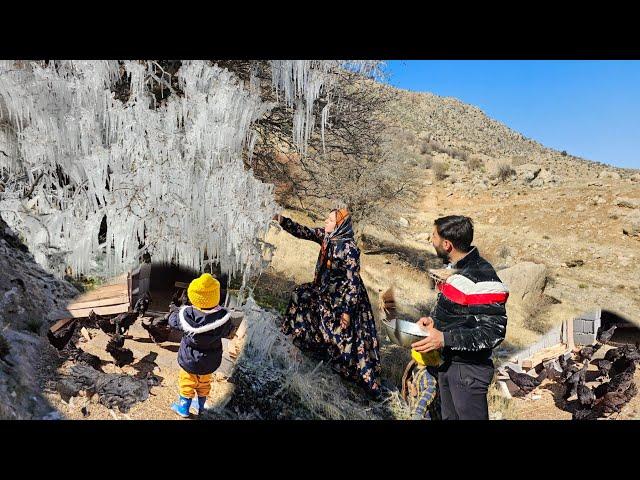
[191, 384]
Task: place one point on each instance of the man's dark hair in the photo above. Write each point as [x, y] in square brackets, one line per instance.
[457, 229]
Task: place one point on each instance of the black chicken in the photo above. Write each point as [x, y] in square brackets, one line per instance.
[623, 364]
[613, 354]
[121, 355]
[81, 356]
[124, 321]
[565, 363]
[601, 390]
[631, 392]
[574, 380]
[569, 373]
[524, 382]
[180, 298]
[613, 401]
[603, 336]
[142, 304]
[586, 397]
[61, 337]
[586, 353]
[604, 366]
[158, 329]
[583, 414]
[103, 323]
[633, 355]
[620, 382]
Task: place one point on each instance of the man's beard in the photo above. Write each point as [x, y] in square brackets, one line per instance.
[443, 254]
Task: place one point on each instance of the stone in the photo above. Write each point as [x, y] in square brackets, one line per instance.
[609, 174]
[525, 280]
[627, 202]
[631, 226]
[528, 172]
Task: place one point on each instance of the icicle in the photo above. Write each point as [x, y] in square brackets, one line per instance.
[175, 173]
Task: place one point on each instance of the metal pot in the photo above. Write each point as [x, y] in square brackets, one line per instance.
[406, 332]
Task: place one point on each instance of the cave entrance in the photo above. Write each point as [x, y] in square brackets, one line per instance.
[628, 332]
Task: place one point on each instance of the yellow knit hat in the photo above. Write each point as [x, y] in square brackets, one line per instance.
[204, 292]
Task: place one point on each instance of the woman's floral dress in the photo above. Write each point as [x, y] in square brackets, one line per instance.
[314, 312]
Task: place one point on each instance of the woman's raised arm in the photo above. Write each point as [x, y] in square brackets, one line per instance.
[300, 231]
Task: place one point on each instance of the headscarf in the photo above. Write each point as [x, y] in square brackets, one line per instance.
[342, 231]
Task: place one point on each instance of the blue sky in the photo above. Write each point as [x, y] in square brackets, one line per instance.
[591, 109]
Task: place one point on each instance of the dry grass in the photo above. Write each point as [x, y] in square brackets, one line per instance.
[504, 171]
[474, 163]
[440, 170]
[517, 161]
[504, 408]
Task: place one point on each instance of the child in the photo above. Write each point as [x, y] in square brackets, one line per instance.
[203, 323]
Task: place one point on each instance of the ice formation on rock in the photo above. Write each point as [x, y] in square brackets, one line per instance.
[168, 175]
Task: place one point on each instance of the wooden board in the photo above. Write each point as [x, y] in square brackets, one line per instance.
[108, 310]
[60, 324]
[105, 302]
[547, 354]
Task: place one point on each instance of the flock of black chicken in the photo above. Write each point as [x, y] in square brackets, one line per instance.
[117, 328]
[615, 372]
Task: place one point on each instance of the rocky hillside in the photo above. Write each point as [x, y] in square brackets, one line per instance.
[577, 218]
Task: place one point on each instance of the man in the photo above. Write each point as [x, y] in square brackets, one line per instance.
[468, 321]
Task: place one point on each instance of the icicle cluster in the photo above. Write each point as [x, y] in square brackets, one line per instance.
[170, 176]
[302, 82]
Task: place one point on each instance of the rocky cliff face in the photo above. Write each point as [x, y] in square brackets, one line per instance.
[29, 299]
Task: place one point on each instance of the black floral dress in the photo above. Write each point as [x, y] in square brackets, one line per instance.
[314, 312]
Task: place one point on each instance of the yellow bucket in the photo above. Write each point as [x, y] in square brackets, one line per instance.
[429, 359]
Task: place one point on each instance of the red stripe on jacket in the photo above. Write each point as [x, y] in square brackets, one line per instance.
[456, 296]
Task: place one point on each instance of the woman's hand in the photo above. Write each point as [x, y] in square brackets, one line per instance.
[345, 320]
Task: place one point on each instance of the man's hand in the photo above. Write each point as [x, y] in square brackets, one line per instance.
[345, 320]
[425, 322]
[434, 341]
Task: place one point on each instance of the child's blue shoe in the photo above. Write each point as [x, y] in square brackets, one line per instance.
[181, 407]
[199, 408]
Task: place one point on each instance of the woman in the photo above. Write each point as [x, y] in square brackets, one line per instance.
[332, 315]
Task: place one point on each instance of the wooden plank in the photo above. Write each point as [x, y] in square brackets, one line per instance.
[570, 342]
[105, 302]
[129, 287]
[85, 333]
[504, 389]
[109, 310]
[547, 354]
[60, 324]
